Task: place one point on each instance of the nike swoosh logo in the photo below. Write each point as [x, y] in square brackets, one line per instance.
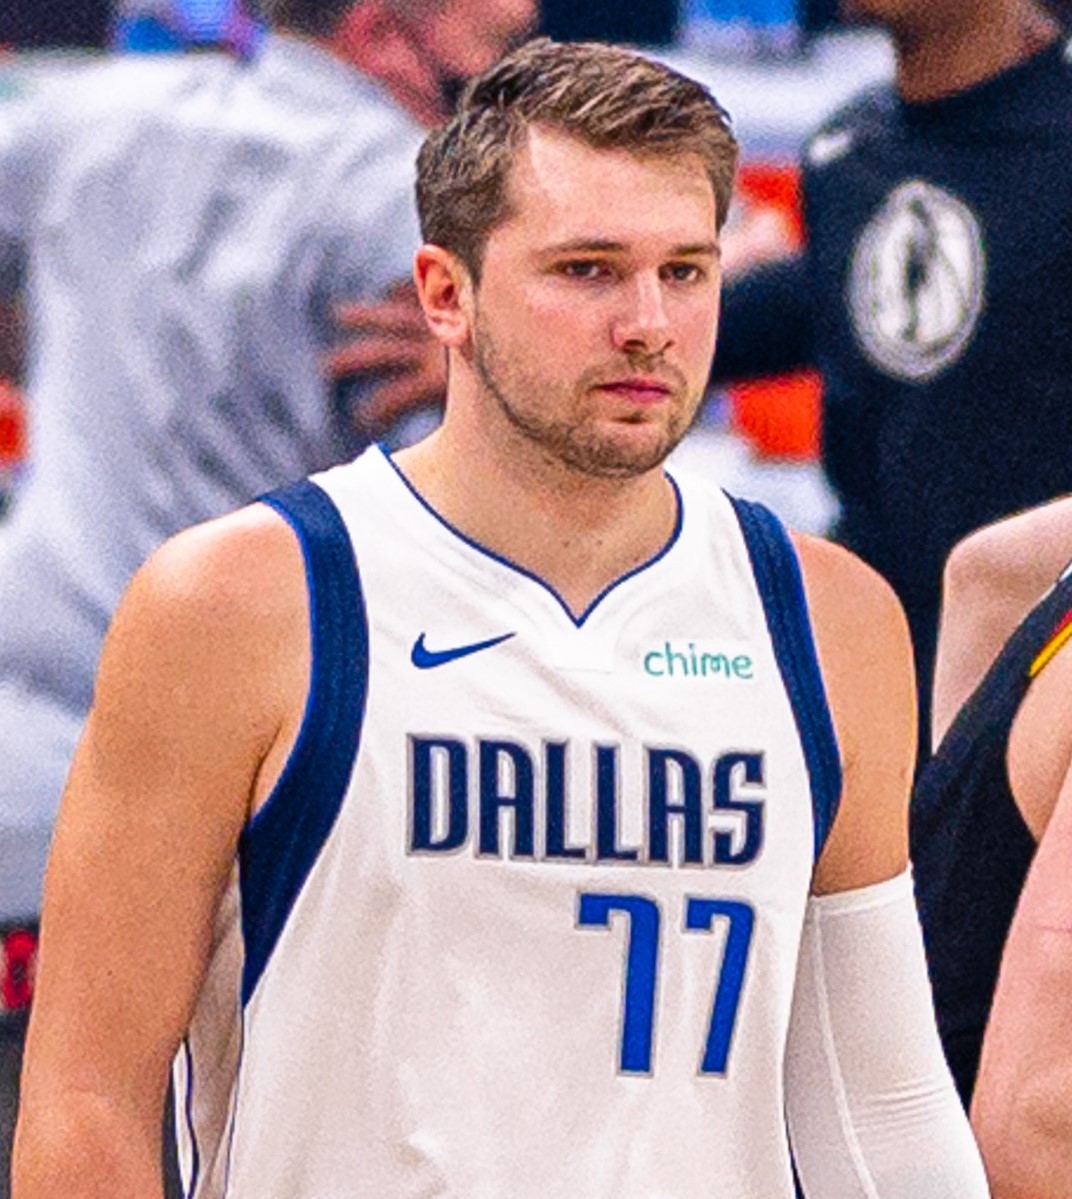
[428, 659]
[827, 147]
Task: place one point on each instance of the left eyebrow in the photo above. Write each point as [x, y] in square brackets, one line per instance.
[709, 249]
[586, 245]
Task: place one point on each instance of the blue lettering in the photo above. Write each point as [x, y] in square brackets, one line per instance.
[492, 800]
[428, 801]
[607, 847]
[555, 795]
[727, 771]
[660, 809]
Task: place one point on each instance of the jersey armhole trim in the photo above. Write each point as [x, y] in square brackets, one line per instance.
[188, 1115]
[280, 845]
[781, 590]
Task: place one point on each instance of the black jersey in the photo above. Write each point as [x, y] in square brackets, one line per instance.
[937, 284]
[971, 849]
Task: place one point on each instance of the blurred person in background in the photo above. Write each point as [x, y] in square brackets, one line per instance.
[155, 26]
[55, 24]
[185, 227]
[639, 22]
[935, 290]
[991, 832]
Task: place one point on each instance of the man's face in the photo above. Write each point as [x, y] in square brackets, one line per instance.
[466, 37]
[594, 321]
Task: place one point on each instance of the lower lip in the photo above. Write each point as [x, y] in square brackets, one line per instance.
[638, 395]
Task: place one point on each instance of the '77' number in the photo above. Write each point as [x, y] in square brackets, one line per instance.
[642, 968]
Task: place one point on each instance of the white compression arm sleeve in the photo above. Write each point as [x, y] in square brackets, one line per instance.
[871, 1105]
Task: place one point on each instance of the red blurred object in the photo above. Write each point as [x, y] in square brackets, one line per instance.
[779, 416]
[12, 427]
[18, 966]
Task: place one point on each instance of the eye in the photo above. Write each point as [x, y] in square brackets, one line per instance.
[684, 272]
[585, 268]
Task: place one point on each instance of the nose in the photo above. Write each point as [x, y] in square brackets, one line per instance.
[643, 325]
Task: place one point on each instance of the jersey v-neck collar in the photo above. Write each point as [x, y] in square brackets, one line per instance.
[429, 513]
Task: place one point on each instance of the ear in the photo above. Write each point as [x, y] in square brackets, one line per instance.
[446, 293]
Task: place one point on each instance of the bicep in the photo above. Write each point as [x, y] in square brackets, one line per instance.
[991, 580]
[145, 841]
[866, 660]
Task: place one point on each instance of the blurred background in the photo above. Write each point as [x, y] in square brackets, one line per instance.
[778, 66]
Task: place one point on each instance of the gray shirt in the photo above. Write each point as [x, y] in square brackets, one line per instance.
[184, 227]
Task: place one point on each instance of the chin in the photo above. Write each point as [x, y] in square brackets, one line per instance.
[623, 453]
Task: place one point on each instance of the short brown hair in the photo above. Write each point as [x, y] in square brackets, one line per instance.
[605, 96]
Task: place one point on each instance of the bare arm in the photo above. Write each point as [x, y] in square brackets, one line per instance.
[200, 681]
[992, 579]
[1022, 1106]
[866, 660]
[872, 1110]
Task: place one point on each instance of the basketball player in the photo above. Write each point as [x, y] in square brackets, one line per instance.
[485, 820]
[187, 226]
[918, 295]
[991, 836]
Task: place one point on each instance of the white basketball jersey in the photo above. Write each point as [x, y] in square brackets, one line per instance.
[521, 919]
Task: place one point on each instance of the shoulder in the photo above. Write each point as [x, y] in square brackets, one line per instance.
[126, 86]
[864, 649]
[1022, 553]
[229, 562]
[992, 580]
[846, 596]
[206, 665]
[207, 602]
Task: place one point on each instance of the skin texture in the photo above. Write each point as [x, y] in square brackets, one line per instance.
[205, 672]
[412, 53]
[992, 580]
[1021, 1110]
[946, 46]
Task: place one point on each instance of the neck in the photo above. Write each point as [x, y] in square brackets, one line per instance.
[379, 43]
[951, 57]
[577, 532]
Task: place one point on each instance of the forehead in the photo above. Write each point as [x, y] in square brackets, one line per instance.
[562, 189]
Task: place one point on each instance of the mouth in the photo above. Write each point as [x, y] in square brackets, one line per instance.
[639, 389]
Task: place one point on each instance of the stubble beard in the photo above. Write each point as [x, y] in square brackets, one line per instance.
[579, 445]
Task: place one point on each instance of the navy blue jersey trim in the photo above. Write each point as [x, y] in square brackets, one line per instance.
[521, 570]
[188, 1112]
[781, 588]
[281, 843]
